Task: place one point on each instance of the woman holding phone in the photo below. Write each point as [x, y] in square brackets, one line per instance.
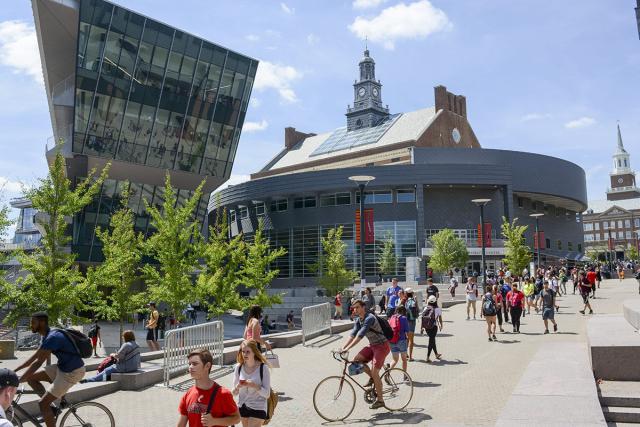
[252, 384]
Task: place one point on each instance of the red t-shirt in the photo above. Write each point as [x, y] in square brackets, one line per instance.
[515, 298]
[591, 276]
[195, 401]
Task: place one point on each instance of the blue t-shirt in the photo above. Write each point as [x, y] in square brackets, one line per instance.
[64, 350]
[391, 292]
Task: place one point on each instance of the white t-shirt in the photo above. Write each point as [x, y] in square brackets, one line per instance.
[471, 291]
[254, 399]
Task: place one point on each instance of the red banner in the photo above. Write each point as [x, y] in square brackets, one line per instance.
[611, 244]
[487, 235]
[369, 235]
[539, 237]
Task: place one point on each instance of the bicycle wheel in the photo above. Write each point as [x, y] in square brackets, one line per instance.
[11, 416]
[334, 398]
[88, 414]
[397, 389]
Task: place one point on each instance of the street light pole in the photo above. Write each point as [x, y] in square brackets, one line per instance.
[481, 203]
[362, 181]
[537, 238]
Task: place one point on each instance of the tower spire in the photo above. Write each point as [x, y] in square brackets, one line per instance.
[620, 145]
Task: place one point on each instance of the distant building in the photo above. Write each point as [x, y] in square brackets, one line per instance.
[612, 225]
[27, 235]
[428, 166]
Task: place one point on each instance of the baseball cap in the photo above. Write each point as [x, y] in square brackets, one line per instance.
[407, 290]
[151, 303]
[8, 378]
[432, 299]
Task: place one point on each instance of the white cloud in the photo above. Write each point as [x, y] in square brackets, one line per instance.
[278, 77]
[19, 49]
[255, 102]
[312, 39]
[255, 126]
[413, 21]
[9, 186]
[535, 116]
[252, 37]
[367, 4]
[580, 123]
[286, 9]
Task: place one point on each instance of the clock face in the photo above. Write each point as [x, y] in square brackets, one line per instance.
[375, 91]
[455, 134]
[620, 180]
[361, 92]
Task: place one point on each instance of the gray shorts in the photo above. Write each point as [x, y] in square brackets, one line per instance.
[547, 313]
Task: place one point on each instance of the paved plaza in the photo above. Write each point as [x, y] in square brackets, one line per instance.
[470, 386]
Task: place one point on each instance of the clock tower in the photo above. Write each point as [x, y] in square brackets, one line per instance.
[367, 110]
[623, 179]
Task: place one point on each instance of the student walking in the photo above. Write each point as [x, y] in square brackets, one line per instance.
[337, 303]
[499, 303]
[398, 342]
[252, 384]
[585, 289]
[515, 299]
[548, 303]
[152, 327]
[94, 335]
[472, 295]
[431, 320]
[490, 311]
[413, 312]
[253, 330]
[528, 291]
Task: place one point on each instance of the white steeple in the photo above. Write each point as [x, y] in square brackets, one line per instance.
[621, 161]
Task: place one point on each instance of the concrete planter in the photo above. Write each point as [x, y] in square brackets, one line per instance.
[7, 349]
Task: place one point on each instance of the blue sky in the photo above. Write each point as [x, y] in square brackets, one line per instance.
[546, 77]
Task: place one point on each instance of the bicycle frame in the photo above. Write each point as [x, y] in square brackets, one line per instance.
[345, 373]
[23, 415]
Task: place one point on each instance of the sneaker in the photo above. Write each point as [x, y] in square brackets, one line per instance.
[468, 318]
[581, 312]
[494, 337]
[514, 330]
[546, 331]
[377, 404]
[369, 383]
[590, 311]
[439, 356]
[490, 339]
[557, 309]
[83, 381]
[555, 328]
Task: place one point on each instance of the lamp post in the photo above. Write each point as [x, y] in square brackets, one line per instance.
[481, 203]
[537, 217]
[362, 181]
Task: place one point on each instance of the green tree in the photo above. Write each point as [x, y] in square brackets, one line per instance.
[449, 251]
[632, 253]
[517, 253]
[5, 222]
[115, 278]
[257, 273]
[53, 282]
[334, 276]
[387, 260]
[224, 258]
[175, 246]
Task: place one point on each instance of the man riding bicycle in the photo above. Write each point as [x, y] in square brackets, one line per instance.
[366, 324]
[68, 372]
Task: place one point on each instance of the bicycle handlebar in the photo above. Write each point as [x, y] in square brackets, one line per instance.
[340, 355]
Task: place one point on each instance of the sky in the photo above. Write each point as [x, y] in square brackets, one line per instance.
[546, 77]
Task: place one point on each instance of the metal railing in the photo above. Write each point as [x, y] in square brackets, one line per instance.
[316, 319]
[178, 343]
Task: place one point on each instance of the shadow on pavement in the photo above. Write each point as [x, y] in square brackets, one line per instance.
[409, 415]
[427, 384]
[508, 341]
[324, 341]
[565, 333]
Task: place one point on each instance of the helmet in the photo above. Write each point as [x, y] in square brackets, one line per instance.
[356, 368]
[432, 299]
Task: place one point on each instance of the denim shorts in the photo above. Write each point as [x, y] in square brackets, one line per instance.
[399, 347]
[547, 313]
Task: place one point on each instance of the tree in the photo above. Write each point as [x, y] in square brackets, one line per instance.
[517, 253]
[53, 282]
[175, 246]
[257, 273]
[116, 276]
[449, 251]
[387, 261]
[334, 275]
[221, 273]
[5, 222]
[632, 253]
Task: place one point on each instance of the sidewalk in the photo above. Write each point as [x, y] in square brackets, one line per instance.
[470, 386]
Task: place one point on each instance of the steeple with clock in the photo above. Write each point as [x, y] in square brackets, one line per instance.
[367, 110]
[623, 178]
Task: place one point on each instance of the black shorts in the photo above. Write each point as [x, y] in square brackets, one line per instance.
[246, 412]
[152, 334]
[585, 298]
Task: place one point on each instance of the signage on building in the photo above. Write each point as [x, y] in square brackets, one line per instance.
[539, 238]
[369, 234]
[472, 251]
[487, 235]
[612, 244]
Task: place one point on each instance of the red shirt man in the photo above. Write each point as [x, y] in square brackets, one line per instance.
[591, 277]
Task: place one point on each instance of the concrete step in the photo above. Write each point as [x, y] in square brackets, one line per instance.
[621, 414]
[614, 348]
[631, 310]
[619, 393]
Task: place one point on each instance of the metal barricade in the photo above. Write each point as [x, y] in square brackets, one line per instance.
[178, 343]
[316, 319]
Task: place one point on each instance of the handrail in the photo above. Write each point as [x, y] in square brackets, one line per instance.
[178, 343]
[315, 319]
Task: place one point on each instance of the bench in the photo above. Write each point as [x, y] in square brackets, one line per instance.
[614, 347]
[143, 377]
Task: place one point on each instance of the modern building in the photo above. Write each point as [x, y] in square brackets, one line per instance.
[146, 97]
[428, 166]
[27, 235]
[612, 225]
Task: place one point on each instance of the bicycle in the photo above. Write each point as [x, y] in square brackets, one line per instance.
[81, 414]
[334, 398]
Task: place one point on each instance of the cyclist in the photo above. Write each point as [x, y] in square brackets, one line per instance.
[366, 324]
[68, 372]
[8, 386]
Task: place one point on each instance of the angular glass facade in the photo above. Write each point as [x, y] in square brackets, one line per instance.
[153, 95]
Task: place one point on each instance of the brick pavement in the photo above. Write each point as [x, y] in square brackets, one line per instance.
[469, 387]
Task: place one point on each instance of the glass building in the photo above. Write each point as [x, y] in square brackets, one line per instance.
[149, 98]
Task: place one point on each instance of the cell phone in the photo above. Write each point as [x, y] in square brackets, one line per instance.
[243, 381]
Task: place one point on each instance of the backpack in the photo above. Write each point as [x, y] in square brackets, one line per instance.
[80, 341]
[108, 361]
[93, 332]
[489, 307]
[387, 331]
[394, 322]
[429, 318]
[412, 309]
[272, 400]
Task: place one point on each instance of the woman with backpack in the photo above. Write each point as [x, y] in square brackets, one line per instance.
[413, 311]
[252, 384]
[431, 318]
[490, 311]
[400, 326]
[499, 304]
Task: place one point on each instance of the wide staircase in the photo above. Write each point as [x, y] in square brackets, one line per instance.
[614, 349]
